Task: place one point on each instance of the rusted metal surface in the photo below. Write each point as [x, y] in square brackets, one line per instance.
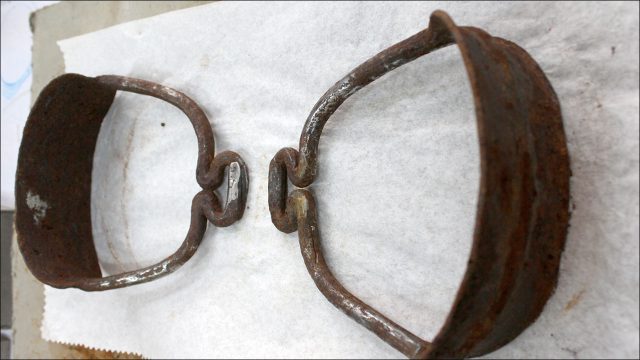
[522, 212]
[53, 182]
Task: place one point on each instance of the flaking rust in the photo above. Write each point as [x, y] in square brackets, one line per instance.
[53, 182]
[522, 217]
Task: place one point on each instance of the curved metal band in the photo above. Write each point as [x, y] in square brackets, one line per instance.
[522, 215]
[53, 182]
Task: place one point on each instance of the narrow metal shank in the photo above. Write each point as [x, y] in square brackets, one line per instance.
[305, 208]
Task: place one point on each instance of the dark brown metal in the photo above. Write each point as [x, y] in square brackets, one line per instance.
[522, 216]
[53, 182]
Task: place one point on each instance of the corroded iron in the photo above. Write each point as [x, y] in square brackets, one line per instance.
[53, 182]
[522, 212]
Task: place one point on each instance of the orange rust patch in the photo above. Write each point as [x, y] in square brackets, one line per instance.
[574, 301]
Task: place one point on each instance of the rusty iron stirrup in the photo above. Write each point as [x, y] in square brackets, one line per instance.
[522, 212]
[53, 182]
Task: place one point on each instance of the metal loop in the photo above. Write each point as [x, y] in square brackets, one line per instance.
[237, 188]
[61, 133]
[282, 216]
[522, 216]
